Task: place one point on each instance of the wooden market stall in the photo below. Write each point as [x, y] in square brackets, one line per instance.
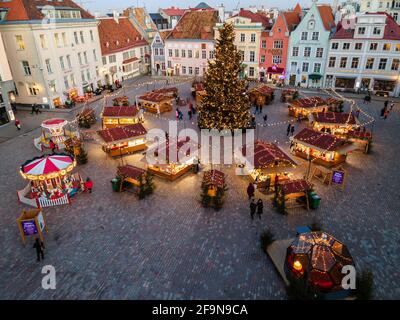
[292, 194]
[304, 106]
[322, 148]
[86, 118]
[334, 122]
[261, 95]
[288, 95]
[134, 179]
[118, 141]
[156, 102]
[267, 164]
[171, 169]
[335, 104]
[198, 91]
[214, 187]
[362, 139]
[169, 91]
[120, 116]
[121, 101]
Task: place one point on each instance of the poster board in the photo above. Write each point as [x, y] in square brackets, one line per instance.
[338, 178]
[31, 223]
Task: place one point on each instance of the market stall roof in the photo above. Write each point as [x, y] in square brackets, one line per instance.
[214, 178]
[320, 140]
[54, 123]
[332, 100]
[289, 91]
[322, 257]
[267, 154]
[122, 133]
[120, 111]
[333, 118]
[130, 171]
[168, 90]
[263, 89]
[164, 148]
[199, 86]
[295, 186]
[86, 112]
[155, 97]
[359, 134]
[47, 164]
[309, 102]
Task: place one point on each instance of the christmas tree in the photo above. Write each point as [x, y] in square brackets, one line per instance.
[225, 106]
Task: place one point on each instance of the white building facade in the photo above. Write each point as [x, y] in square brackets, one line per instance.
[391, 7]
[7, 95]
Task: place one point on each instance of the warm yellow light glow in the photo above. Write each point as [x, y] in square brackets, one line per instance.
[297, 265]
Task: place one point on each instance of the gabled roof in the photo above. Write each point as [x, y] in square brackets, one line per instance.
[122, 133]
[198, 24]
[327, 16]
[118, 36]
[120, 111]
[292, 19]
[130, 171]
[254, 17]
[142, 18]
[24, 10]
[173, 11]
[164, 34]
[297, 9]
[320, 140]
[334, 118]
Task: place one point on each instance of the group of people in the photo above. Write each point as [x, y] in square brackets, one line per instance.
[290, 130]
[386, 109]
[35, 109]
[255, 207]
[191, 112]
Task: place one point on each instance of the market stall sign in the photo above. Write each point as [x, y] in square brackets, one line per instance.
[338, 178]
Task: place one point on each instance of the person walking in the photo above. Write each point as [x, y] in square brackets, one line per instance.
[260, 208]
[383, 112]
[253, 208]
[190, 114]
[386, 114]
[33, 108]
[250, 190]
[17, 124]
[299, 118]
[288, 129]
[386, 103]
[292, 130]
[88, 185]
[39, 246]
[265, 117]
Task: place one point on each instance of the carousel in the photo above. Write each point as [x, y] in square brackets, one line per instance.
[317, 259]
[51, 181]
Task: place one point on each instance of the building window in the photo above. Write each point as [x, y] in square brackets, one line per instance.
[66, 83]
[69, 61]
[354, 63]
[80, 58]
[197, 71]
[190, 54]
[361, 30]
[346, 46]
[169, 64]
[155, 52]
[295, 52]
[57, 40]
[183, 53]
[278, 44]
[20, 42]
[398, 47]
[293, 66]
[263, 44]
[305, 67]
[33, 91]
[43, 42]
[196, 54]
[252, 56]
[64, 38]
[104, 60]
[170, 53]
[315, 35]
[276, 59]
[241, 53]
[317, 67]
[319, 53]
[89, 76]
[358, 46]
[52, 86]
[62, 63]
[83, 76]
[242, 37]
[307, 51]
[370, 63]
[190, 70]
[386, 47]
[395, 64]
[76, 37]
[253, 37]
[27, 68]
[376, 31]
[183, 70]
[251, 71]
[212, 53]
[161, 51]
[82, 38]
[203, 54]
[262, 59]
[112, 58]
[48, 66]
[72, 78]
[373, 46]
[94, 55]
[86, 58]
[382, 64]
[335, 45]
[343, 62]
[304, 35]
[176, 53]
[332, 62]
[91, 35]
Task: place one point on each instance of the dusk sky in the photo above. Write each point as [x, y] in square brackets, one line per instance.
[104, 6]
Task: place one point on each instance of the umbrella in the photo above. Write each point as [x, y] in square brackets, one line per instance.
[53, 165]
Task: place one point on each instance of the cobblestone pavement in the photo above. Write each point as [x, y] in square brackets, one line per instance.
[112, 246]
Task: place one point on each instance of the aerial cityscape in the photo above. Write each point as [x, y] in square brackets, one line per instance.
[179, 150]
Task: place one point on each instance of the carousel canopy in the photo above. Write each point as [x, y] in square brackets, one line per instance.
[47, 165]
[310, 102]
[54, 123]
[319, 258]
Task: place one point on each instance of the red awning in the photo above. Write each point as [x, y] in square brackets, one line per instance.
[275, 70]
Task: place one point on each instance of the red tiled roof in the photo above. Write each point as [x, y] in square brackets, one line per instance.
[309, 102]
[214, 177]
[295, 186]
[23, 10]
[173, 11]
[164, 34]
[120, 111]
[130, 171]
[327, 17]
[154, 97]
[254, 17]
[297, 8]
[119, 36]
[122, 133]
[263, 89]
[266, 154]
[334, 118]
[179, 144]
[292, 19]
[170, 90]
[195, 25]
[319, 140]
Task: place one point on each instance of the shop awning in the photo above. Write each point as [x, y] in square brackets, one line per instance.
[315, 76]
[275, 70]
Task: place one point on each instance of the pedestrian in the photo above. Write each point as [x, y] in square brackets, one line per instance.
[292, 130]
[288, 129]
[385, 115]
[383, 112]
[33, 108]
[250, 190]
[37, 110]
[386, 103]
[88, 185]
[298, 118]
[392, 106]
[52, 146]
[190, 114]
[17, 124]
[260, 207]
[39, 246]
[177, 114]
[357, 113]
[265, 117]
[253, 208]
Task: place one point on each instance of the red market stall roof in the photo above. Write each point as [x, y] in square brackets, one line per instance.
[267, 154]
[319, 258]
[199, 86]
[120, 111]
[154, 97]
[310, 102]
[359, 134]
[214, 178]
[334, 118]
[295, 186]
[130, 171]
[179, 144]
[320, 140]
[264, 89]
[275, 70]
[166, 90]
[48, 164]
[289, 91]
[122, 133]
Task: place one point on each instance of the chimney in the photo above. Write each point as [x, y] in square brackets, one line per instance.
[116, 16]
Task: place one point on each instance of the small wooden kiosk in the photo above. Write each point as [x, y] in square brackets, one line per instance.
[165, 167]
[120, 116]
[169, 91]
[261, 95]
[198, 91]
[322, 148]
[214, 188]
[86, 118]
[304, 106]
[334, 104]
[131, 177]
[361, 139]
[333, 122]
[292, 194]
[123, 140]
[121, 101]
[271, 164]
[288, 95]
[155, 102]
[32, 223]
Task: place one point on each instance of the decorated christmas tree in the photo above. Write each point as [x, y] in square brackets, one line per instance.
[225, 106]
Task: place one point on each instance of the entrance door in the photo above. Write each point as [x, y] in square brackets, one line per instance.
[292, 80]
